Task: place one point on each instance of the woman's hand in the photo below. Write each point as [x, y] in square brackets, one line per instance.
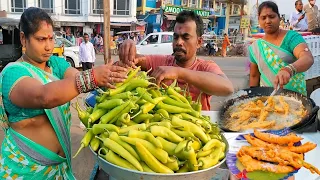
[108, 74]
[282, 79]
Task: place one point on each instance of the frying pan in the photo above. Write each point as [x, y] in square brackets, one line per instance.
[241, 95]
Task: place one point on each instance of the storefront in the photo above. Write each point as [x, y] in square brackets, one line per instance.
[74, 28]
[170, 12]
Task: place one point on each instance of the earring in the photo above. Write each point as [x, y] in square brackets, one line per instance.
[24, 49]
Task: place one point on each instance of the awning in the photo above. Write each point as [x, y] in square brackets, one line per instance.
[120, 24]
[9, 21]
[206, 21]
[140, 23]
[79, 24]
[170, 17]
[233, 1]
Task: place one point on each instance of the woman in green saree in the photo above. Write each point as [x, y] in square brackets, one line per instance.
[35, 93]
[280, 57]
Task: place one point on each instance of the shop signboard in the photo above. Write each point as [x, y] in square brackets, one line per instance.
[245, 22]
[178, 9]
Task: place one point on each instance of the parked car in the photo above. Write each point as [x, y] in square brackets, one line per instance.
[156, 43]
[71, 52]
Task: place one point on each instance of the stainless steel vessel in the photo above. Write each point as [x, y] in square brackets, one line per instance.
[118, 173]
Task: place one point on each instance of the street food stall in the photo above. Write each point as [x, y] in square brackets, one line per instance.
[142, 131]
[157, 140]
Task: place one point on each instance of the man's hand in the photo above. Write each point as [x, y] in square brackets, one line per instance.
[165, 73]
[301, 17]
[127, 53]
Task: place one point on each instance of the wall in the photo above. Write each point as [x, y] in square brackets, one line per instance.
[151, 3]
[177, 2]
[139, 3]
[85, 16]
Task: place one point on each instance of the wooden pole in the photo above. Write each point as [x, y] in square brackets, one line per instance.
[106, 31]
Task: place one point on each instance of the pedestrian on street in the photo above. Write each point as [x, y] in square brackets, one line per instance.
[312, 13]
[92, 39]
[281, 56]
[35, 95]
[212, 48]
[87, 53]
[73, 40]
[225, 45]
[87, 58]
[298, 19]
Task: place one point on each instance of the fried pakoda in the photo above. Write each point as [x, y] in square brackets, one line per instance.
[254, 165]
[281, 140]
[263, 115]
[260, 104]
[304, 148]
[259, 125]
[255, 141]
[270, 155]
[241, 116]
[284, 105]
[278, 108]
[269, 152]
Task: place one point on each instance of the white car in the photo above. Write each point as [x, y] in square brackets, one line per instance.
[156, 43]
[71, 52]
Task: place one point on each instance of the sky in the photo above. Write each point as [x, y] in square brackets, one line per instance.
[285, 6]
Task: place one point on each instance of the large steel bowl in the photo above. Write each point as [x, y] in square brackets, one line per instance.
[119, 173]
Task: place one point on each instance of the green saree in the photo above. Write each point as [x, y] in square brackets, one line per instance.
[21, 158]
[270, 59]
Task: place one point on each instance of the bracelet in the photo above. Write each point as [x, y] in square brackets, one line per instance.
[287, 69]
[85, 81]
[293, 68]
[94, 78]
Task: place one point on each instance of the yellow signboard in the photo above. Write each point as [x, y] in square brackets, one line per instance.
[245, 22]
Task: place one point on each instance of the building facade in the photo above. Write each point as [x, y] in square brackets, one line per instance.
[78, 16]
[217, 15]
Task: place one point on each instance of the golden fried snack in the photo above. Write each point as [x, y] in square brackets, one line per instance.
[296, 149]
[249, 105]
[255, 141]
[260, 103]
[259, 125]
[253, 110]
[284, 105]
[271, 103]
[310, 167]
[241, 116]
[301, 113]
[266, 154]
[254, 165]
[278, 109]
[263, 115]
[281, 140]
[303, 148]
